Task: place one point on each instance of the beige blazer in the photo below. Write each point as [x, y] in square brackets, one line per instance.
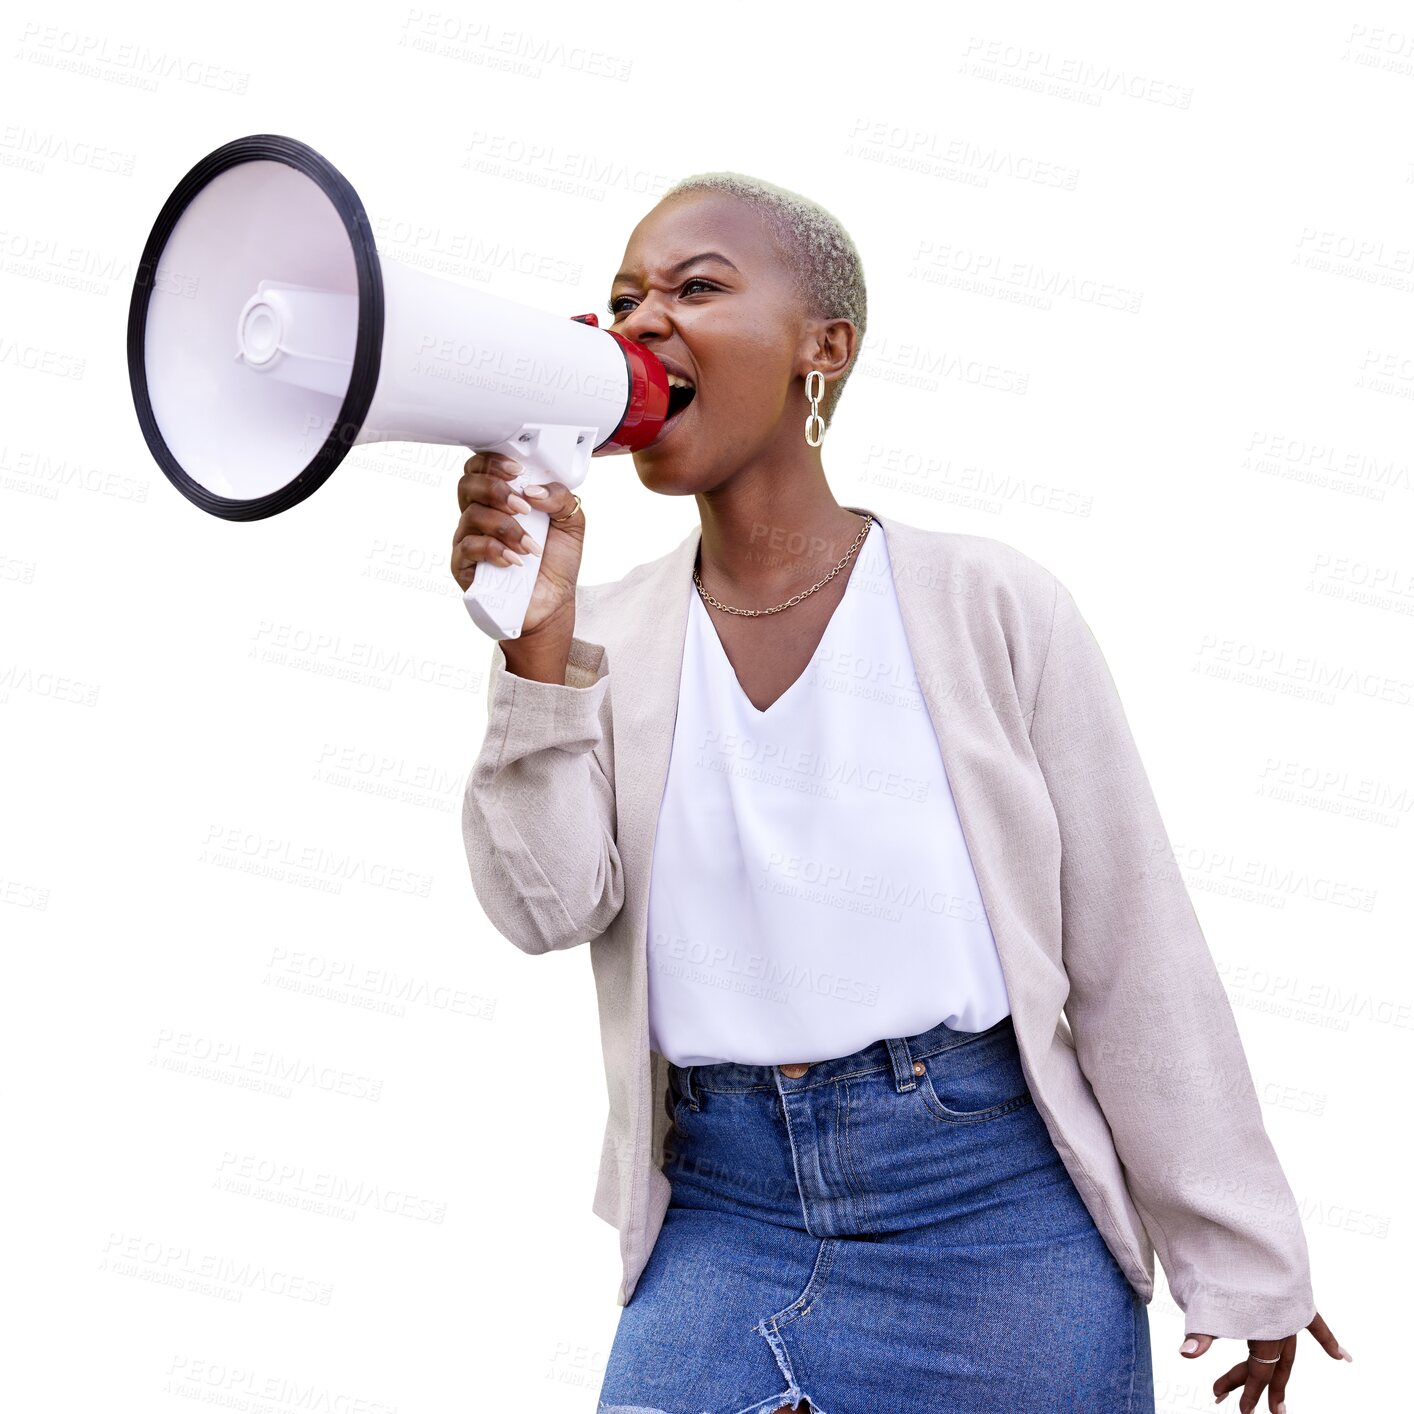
[1126, 1035]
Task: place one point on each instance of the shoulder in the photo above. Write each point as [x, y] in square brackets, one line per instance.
[990, 593]
[992, 576]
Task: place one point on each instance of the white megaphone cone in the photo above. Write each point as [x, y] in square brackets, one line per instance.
[267, 336]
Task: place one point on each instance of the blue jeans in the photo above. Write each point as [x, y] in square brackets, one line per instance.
[890, 1232]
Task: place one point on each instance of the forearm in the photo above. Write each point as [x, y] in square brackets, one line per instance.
[1156, 1038]
[538, 818]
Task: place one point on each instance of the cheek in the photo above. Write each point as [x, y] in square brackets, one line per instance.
[750, 367]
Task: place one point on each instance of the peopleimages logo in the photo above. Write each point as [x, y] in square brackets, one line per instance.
[120, 61]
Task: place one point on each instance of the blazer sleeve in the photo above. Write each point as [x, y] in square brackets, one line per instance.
[1154, 1029]
[538, 814]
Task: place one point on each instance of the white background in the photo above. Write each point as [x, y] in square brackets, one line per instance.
[1141, 290]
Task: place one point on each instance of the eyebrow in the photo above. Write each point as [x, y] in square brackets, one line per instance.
[683, 264]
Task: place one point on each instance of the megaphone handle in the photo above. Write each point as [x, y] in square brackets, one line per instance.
[499, 595]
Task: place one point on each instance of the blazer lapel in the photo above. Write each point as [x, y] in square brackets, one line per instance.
[963, 663]
[645, 663]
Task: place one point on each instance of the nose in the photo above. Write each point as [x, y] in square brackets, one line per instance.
[647, 319]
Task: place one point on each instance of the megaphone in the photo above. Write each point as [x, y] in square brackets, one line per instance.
[267, 336]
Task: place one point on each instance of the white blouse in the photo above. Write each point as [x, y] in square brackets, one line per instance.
[811, 888]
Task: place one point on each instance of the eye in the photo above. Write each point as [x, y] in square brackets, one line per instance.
[613, 305]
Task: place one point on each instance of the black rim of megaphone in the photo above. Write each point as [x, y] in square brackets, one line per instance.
[367, 346]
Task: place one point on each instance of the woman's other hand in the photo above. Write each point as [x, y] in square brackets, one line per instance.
[1256, 1374]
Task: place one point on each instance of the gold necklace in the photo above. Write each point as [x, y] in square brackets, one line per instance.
[795, 598]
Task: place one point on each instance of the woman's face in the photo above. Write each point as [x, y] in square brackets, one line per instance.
[733, 325]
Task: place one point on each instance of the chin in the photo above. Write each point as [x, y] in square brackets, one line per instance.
[661, 480]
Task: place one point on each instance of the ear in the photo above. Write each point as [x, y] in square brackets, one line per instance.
[829, 345]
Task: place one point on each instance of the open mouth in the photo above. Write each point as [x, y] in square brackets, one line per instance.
[680, 394]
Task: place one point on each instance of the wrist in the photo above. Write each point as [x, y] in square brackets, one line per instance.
[538, 658]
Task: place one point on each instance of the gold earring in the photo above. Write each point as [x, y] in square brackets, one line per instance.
[813, 424]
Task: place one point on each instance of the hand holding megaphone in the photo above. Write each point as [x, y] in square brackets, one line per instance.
[496, 523]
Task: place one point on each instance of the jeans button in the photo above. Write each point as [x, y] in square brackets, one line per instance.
[795, 1070]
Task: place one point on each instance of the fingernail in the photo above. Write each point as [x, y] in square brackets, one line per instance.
[1187, 1347]
[514, 558]
[1344, 1353]
[536, 548]
[1281, 1408]
[536, 491]
[518, 504]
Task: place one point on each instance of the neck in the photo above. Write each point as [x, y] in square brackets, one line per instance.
[765, 538]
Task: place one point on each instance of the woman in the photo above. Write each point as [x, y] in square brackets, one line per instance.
[859, 1160]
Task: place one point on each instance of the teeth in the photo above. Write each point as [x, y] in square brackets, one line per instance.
[675, 382]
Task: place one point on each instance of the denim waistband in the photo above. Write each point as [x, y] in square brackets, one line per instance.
[897, 1054]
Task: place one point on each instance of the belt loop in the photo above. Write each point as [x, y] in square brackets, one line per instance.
[904, 1078]
[689, 1090]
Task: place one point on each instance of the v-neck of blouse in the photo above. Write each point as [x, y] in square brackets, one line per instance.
[725, 663]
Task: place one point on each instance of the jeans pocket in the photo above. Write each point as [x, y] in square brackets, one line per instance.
[676, 1099]
[976, 1081]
